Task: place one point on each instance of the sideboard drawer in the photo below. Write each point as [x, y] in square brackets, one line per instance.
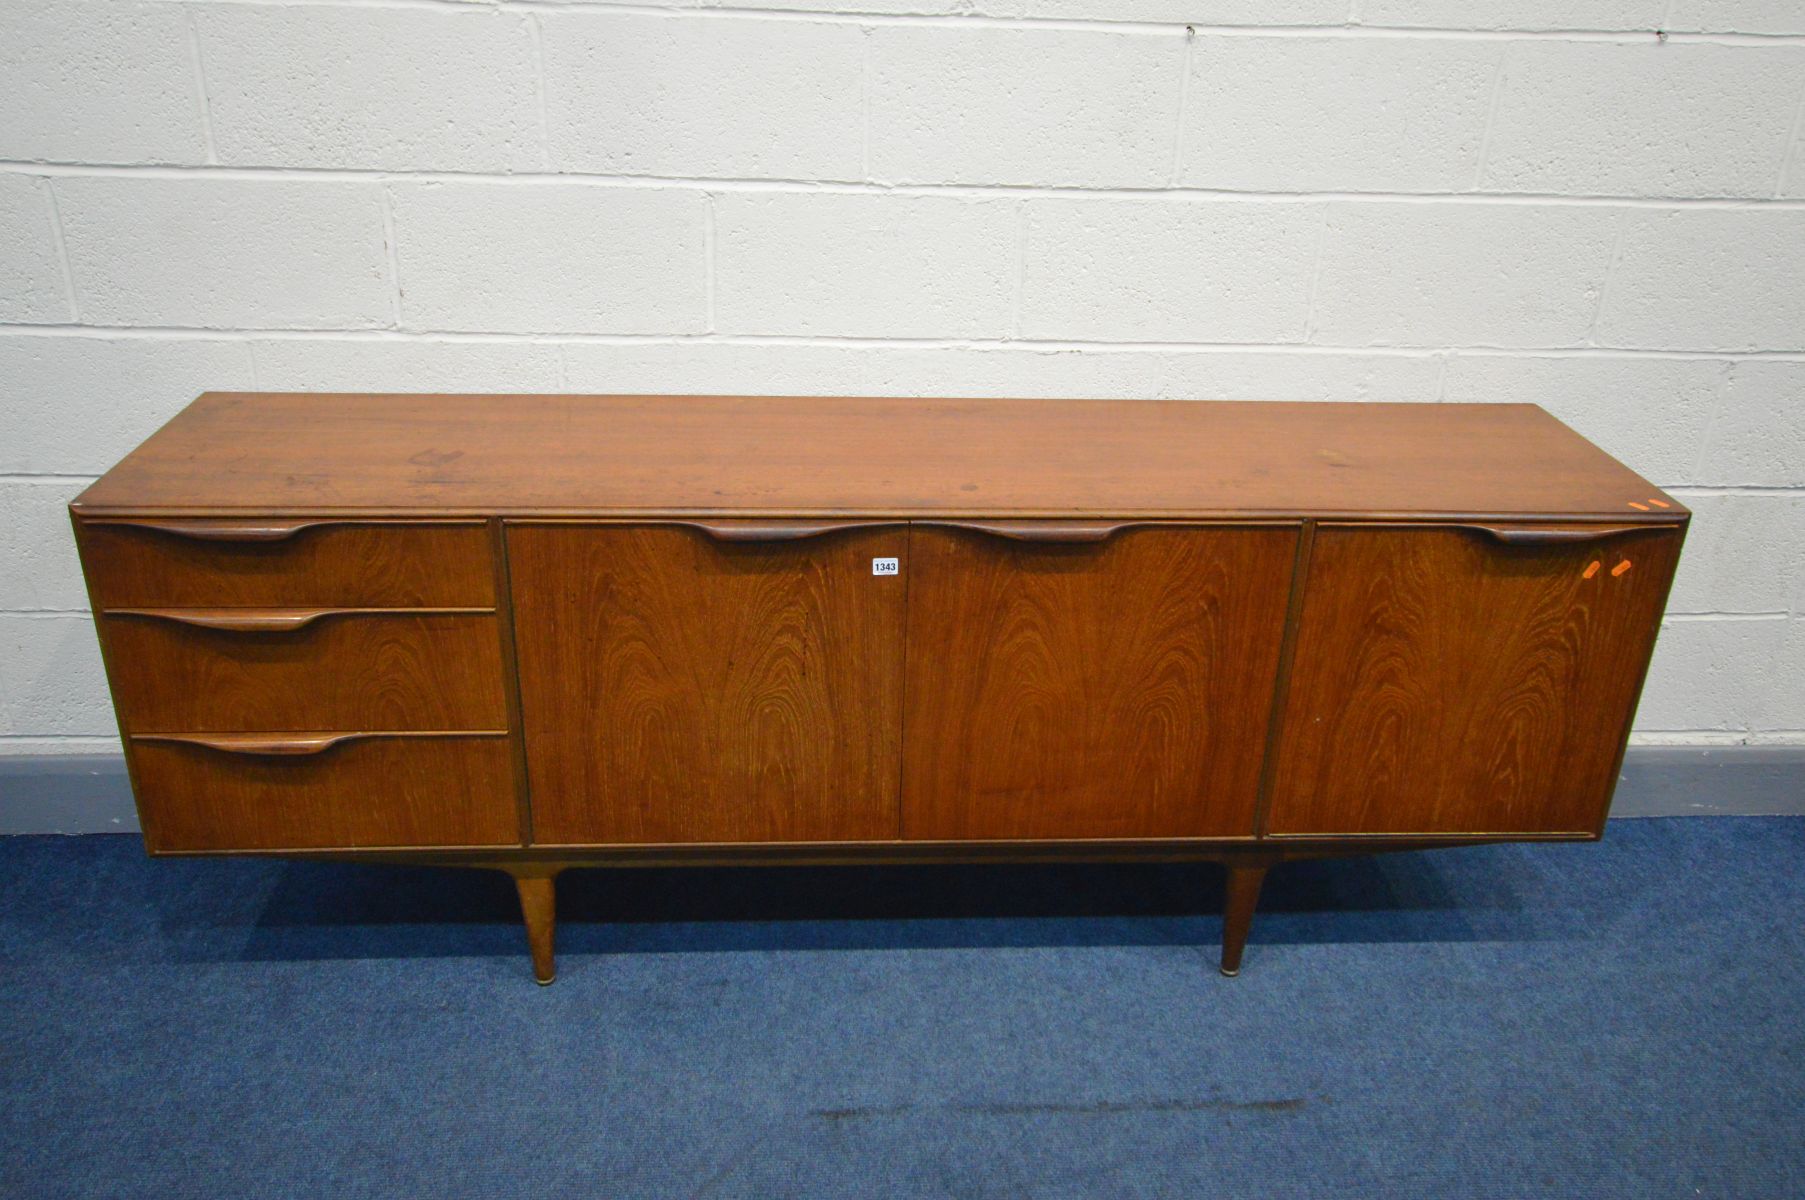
[226, 792]
[230, 563]
[203, 670]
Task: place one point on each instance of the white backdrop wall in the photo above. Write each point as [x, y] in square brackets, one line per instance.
[1422, 200]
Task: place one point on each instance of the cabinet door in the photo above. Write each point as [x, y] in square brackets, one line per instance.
[679, 685]
[1107, 689]
[1465, 679]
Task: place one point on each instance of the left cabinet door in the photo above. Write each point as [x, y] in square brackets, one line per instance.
[710, 682]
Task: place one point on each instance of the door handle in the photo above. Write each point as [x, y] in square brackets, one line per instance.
[1515, 535]
[1044, 532]
[776, 531]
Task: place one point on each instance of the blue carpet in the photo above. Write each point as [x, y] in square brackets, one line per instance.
[1623, 1019]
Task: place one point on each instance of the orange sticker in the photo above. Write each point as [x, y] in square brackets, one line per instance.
[1643, 507]
[1659, 503]
[1621, 567]
[1592, 570]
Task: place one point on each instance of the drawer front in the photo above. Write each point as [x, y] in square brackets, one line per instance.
[232, 563]
[1465, 679]
[364, 792]
[255, 670]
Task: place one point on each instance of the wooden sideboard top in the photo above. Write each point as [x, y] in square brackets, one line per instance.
[308, 454]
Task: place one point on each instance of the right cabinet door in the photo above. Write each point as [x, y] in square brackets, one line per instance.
[1468, 679]
[1119, 687]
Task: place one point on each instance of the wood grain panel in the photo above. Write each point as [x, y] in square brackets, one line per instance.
[372, 670]
[371, 792]
[1110, 690]
[825, 456]
[339, 565]
[676, 688]
[1446, 683]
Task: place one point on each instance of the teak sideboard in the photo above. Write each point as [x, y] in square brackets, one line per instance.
[535, 632]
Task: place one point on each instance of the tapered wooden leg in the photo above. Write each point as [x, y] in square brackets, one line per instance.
[1243, 893]
[539, 905]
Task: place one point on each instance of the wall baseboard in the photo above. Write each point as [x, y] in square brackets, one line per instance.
[1711, 781]
[88, 793]
[65, 793]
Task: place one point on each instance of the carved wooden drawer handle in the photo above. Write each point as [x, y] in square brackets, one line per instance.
[1511, 535]
[776, 531]
[262, 530]
[1050, 532]
[234, 620]
[276, 620]
[285, 745]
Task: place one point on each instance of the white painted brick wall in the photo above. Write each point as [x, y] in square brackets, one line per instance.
[1461, 274]
[1758, 438]
[396, 89]
[1627, 120]
[31, 284]
[1714, 675]
[1738, 16]
[1513, 14]
[39, 572]
[1426, 200]
[75, 405]
[1787, 709]
[55, 689]
[99, 81]
[1336, 114]
[565, 258]
[863, 266]
[418, 365]
[703, 96]
[1152, 270]
[1744, 553]
[716, 367]
[1219, 12]
[1708, 279]
[1022, 106]
[1794, 187]
[224, 253]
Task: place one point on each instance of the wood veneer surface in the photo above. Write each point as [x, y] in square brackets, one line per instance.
[452, 790]
[1112, 689]
[329, 565]
[1446, 684]
[676, 688]
[286, 453]
[366, 670]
